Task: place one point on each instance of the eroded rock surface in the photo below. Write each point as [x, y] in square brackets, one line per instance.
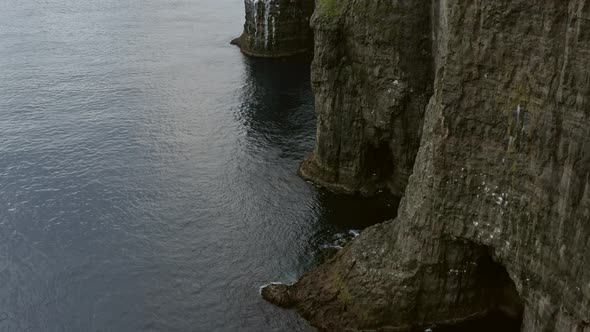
[372, 78]
[501, 180]
[276, 28]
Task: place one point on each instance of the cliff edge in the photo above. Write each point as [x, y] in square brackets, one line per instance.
[496, 212]
[372, 78]
[276, 28]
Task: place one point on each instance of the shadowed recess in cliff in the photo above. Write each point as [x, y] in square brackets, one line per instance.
[464, 290]
[378, 164]
[505, 308]
[370, 97]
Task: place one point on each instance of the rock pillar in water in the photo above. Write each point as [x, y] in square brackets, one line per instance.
[276, 28]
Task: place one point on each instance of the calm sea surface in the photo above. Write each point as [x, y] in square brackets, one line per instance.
[148, 170]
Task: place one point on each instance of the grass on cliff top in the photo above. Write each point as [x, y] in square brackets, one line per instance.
[331, 7]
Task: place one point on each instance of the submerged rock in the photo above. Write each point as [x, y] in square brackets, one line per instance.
[276, 28]
[496, 213]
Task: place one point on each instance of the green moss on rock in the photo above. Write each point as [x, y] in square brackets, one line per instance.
[331, 7]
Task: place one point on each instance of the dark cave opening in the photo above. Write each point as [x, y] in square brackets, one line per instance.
[378, 163]
[495, 291]
[506, 300]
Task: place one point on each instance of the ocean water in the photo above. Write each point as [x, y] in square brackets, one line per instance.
[148, 170]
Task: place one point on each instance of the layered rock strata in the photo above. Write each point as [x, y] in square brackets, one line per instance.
[496, 214]
[276, 28]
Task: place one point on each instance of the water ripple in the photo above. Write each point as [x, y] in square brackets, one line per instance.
[148, 170]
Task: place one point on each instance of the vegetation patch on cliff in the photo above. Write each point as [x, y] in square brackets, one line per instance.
[331, 7]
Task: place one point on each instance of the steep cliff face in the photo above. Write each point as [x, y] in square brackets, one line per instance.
[496, 214]
[372, 78]
[276, 28]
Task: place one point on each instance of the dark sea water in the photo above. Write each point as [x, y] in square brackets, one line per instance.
[148, 170]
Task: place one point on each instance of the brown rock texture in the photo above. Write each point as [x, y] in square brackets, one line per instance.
[496, 213]
[276, 28]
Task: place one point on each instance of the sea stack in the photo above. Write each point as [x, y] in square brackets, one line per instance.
[276, 28]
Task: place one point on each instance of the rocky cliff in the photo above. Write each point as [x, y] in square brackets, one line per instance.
[372, 78]
[276, 28]
[496, 213]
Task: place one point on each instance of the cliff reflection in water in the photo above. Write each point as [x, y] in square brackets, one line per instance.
[277, 103]
[277, 114]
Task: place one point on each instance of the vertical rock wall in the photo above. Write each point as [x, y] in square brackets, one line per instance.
[372, 77]
[502, 175]
[276, 28]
